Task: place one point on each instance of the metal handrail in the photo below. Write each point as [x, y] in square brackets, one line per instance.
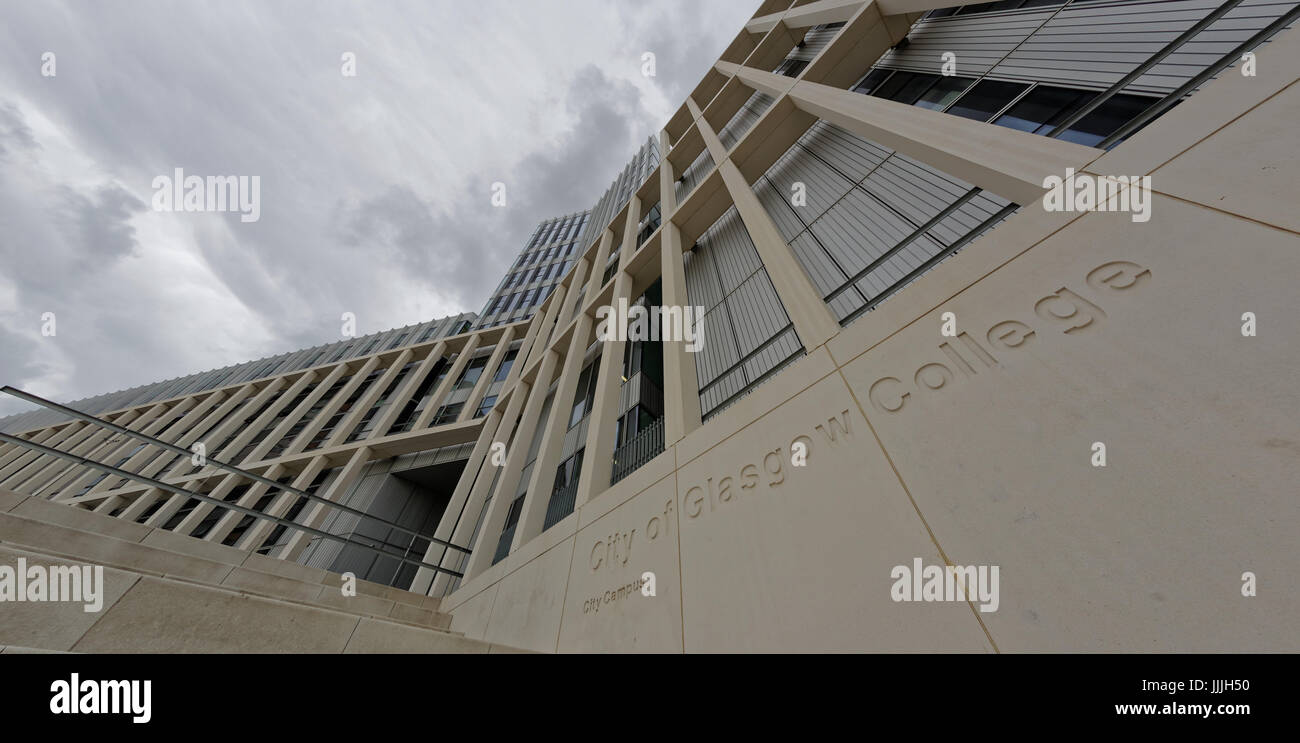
[287, 523]
[220, 465]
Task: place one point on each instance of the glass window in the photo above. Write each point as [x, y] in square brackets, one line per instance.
[1043, 108]
[506, 363]
[943, 92]
[871, 81]
[1117, 111]
[986, 7]
[985, 99]
[905, 87]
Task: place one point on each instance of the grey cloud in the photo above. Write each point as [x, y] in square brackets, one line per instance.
[364, 206]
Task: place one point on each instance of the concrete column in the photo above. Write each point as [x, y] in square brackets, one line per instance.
[139, 505]
[297, 413]
[404, 394]
[598, 457]
[445, 387]
[533, 518]
[812, 319]
[489, 371]
[284, 398]
[546, 330]
[51, 438]
[97, 438]
[176, 501]
[247, 500]
[251, 429]
[1004, 161]
[309, 432]
[40, 471]
[456, 510]
[812, 14]
[149, 422]
[525, 348]
[334, 493]
[681, 386]
[598, 266]
[200, 512]
[187, 421]
[260, 529]
[517, 456]
[367, 400]
[485, 542]
[15, 451]
[574, 299]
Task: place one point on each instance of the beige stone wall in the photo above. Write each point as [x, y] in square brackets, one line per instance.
[977, 450]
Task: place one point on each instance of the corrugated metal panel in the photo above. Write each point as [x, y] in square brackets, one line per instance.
[1093, 45]
[822, 184]
[980, 41]
[913, 189]
[1206, 47]
[756, 313]
[817, 39]
[701, 280]
[778, 208]
[854, 157]
[692, 176]
[856, 225]
[745, 118]
[717, 352]
[778, 351]
[745, 331]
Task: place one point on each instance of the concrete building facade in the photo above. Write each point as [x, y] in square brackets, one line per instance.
[909, 355]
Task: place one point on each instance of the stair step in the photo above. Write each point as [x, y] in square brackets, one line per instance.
[71, 533]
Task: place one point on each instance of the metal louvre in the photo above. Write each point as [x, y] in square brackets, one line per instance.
[1095, 44]
[868, 225]
[980, 41]
[745, 332]
[745, 118]
[822, 186]
[1088, 45]
[691, 177]
[817, 39]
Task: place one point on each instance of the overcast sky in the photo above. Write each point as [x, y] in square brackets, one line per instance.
[375, 189]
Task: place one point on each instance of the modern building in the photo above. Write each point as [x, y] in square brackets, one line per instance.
[911, 356]
[545, 260]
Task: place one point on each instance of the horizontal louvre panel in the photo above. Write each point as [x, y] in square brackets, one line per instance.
[745, 118]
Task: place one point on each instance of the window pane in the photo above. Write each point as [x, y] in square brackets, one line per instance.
[945, 91]
[1108, 117]
[1043, 108]
[986, 99]
[892, 85]
[910, 90]
[869, 83]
